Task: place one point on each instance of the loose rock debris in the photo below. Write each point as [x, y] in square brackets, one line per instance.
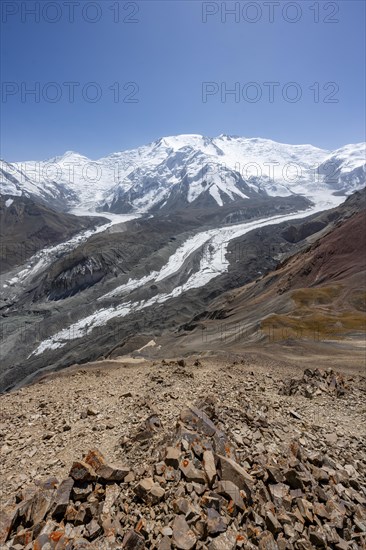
[315, 382]
[199, 489]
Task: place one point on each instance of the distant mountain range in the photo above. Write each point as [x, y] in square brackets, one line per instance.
[183, 171]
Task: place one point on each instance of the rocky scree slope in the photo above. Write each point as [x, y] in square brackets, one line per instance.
[227, 477]
[272, 476]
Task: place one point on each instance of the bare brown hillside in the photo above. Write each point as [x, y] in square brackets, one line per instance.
[317, 295]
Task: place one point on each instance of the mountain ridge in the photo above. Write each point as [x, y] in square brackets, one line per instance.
[187, 170]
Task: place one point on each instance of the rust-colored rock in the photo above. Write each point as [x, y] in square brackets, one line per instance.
[105, 471]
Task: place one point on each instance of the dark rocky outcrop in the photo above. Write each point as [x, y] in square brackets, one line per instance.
[26, 227]
[315, 382]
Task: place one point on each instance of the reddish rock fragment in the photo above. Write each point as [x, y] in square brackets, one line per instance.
[106, 472]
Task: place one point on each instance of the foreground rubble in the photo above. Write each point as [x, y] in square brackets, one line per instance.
[197, 489]
[201, 454]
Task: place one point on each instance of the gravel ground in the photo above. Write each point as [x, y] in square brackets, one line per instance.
[45, 426]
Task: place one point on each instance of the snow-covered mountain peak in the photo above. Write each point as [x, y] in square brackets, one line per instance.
[181, 140]
[68, 156]
[71, 154]
[195, 142]
[177, 171]
[350, 155]
[229, 137]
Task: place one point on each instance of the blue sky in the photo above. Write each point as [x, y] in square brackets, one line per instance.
[169, 50]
